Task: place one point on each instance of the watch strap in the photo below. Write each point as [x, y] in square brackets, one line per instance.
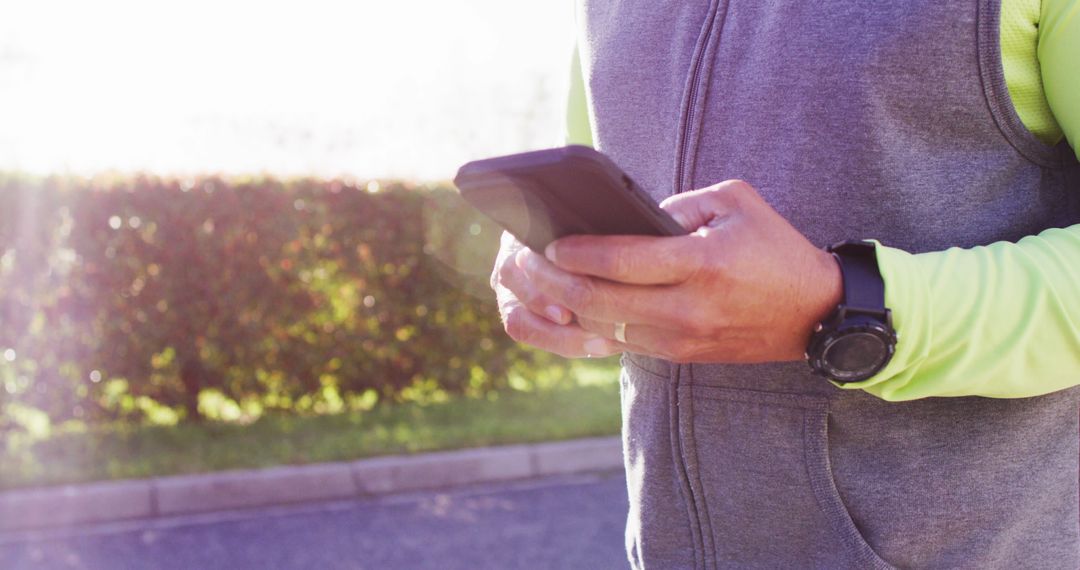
[864, 289]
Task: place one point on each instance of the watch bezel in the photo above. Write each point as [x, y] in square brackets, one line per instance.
[845, 323]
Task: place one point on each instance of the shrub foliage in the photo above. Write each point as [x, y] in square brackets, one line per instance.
[286, 293]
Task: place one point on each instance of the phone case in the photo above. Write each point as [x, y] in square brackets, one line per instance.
[544, 195]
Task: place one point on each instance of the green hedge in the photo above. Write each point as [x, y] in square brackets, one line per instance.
[119, 294]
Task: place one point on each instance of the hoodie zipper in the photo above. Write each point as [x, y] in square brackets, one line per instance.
[692, 96]
[706, 558]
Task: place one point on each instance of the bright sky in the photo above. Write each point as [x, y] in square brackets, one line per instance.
[367, 88]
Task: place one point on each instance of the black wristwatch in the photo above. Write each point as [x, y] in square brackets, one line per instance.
[857, 340]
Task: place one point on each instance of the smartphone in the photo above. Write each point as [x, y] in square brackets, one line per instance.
[544, 195]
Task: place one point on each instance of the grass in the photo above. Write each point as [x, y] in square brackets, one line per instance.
[590, 408]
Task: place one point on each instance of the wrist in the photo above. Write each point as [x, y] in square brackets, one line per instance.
[824, 296]
[818, 294]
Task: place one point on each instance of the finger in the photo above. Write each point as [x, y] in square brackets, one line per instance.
[600, 328]
[660, 342]
[570, 341]
[706, 206]
[640, 260]
[513, 278]
[633, 341]
[508, 248]
[600, 299]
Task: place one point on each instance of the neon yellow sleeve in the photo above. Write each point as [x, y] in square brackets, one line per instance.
[578, 129]
[1002, 320]
[1019, 34]
[1059, 60]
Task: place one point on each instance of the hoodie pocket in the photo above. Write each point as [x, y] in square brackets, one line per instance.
[761, 476]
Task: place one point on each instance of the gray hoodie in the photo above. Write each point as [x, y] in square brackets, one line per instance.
[853, 120]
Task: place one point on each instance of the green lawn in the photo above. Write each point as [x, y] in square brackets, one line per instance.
[590, 408]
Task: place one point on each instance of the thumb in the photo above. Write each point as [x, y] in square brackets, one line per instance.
[705, 206]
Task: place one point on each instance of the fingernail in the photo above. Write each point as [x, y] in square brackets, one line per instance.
[556, 314]
[549, 252]
[596, 345]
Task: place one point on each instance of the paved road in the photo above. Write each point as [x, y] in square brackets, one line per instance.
[564, 523]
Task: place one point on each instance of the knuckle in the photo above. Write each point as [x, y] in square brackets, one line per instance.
[744, 190]
[670, 351]
[506, 270]
[698, 328]
[683, 353]
[514, 285]
[721, 269]
[732, 191]
[588, 324]
[579, 294]
[498, 273]
[620, 263]
[515, 324]
[687, 263]
[736, 185]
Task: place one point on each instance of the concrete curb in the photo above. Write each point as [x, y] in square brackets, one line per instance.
[166, 496]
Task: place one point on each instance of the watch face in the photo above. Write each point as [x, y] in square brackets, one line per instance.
[855, 355]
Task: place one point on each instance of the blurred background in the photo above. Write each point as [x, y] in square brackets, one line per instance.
[405, 89]
[228, 239]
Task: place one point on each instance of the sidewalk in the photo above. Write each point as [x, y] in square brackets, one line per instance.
[166, 496]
